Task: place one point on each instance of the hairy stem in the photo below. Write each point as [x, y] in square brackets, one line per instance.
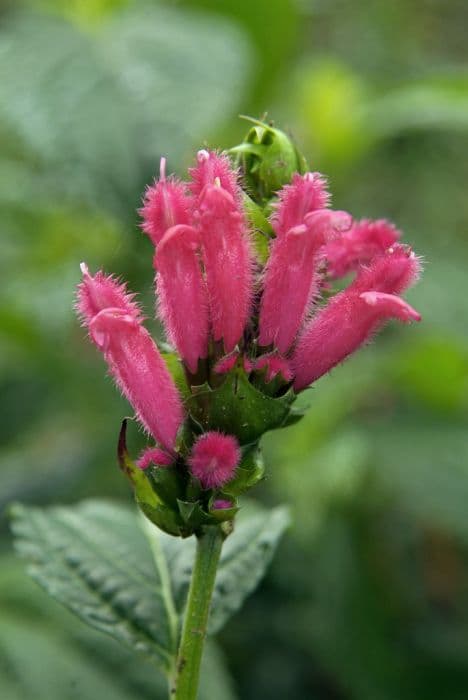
[187, 672]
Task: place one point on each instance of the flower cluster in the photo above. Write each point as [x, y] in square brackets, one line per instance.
[250, 333]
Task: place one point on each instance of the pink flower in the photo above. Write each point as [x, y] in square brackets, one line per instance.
[154, 455]
[360, 244]
[166, 204]
[214, 459]
[133, 359]
[181, 288]
[183, 303]
[305, 194]
[291, 280]
[222, 504]
[352, 316]
[227, 255]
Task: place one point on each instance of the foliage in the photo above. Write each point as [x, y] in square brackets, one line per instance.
[368, 600]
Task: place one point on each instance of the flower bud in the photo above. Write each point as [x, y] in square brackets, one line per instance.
[214, 459]
[268, 158]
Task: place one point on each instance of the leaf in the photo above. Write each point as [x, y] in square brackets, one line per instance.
[46, 655]
[237, 407]
[93, 559]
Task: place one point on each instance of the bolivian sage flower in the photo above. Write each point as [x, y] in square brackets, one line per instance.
[249, 335]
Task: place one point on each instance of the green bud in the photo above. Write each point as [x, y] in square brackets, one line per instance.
[268, 159]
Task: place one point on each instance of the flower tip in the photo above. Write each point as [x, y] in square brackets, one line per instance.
[203, 155]
[214, 459]
[84, 269]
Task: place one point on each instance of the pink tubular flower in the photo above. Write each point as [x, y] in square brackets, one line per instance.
[360, 244]
[183, 304]
[133, 358]
[182, 293]
[291, 280]
[352, 316]
[305, 194]
[166, 204]
[226, 248]
[154, 455]
[214, 459]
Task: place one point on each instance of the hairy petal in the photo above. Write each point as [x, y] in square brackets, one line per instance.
[355, 314]
[166, 203]
[183, 301]
[140, 373]
[214, 458]
[212, 167]
[305, 194]
[154, 455]
[100, 292]
[228, 263]
[291, 280]
[360, 244]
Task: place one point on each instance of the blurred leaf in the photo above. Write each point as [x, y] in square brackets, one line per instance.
[93, 559]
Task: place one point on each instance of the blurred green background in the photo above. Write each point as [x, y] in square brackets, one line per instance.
[368, 596]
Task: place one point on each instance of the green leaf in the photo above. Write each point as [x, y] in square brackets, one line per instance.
[237, 407]
[93, 559]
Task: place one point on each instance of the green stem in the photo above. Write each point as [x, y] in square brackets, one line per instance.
[187, 672]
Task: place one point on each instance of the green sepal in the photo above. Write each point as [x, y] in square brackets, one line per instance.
[261, 228]
[268, 158]
[166, 519]
[177, 372]
[250, 471]
[238, 408]
[167, 483]
[141, 486]
[193, 514]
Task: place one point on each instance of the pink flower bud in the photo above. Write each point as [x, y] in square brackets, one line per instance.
[133, 358]
[166, 204]
[355, 314]
[291, 280]
[154, 455]
[360, 244]
[305, 194]
[226, 363]
[226, 248]
[214, 459]
[101, 292]
[275, 364]
[183, 303]
[222, 504]
[214, 167]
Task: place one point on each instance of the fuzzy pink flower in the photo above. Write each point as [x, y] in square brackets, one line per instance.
[154, 455]
[274, 364]
[212, 166]
[166, 204]
[227, 255]
[183, 303]
[305, 194]
[360, 244]
[222, 504]
[355, 314]
[291, 280]
[181, 288]
[133, 358]
[214, 459]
